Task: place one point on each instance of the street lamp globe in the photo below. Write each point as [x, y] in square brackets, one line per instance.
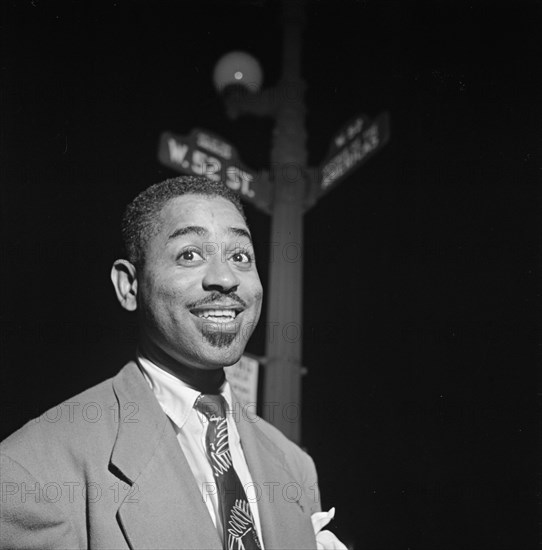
[237, 70]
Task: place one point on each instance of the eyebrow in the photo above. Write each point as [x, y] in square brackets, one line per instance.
[202, 232]
[240, 232]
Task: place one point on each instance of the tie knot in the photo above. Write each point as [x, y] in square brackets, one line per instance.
[211, 405]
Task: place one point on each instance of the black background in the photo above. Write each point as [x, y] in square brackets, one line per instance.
[420, 269]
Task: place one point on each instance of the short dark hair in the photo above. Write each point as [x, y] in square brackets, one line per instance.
[141, 217]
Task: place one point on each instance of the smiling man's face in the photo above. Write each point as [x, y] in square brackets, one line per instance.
[199, 294]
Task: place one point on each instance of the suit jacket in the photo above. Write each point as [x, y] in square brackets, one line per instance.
[105, 470]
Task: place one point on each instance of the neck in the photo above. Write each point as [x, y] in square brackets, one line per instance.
[203, 380]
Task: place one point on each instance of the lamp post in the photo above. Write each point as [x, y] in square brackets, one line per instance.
[238, 78]
[287, 193]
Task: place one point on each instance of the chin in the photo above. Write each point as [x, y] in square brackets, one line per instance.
[222, 355]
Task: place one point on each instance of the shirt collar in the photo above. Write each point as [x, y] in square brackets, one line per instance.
[175, 397]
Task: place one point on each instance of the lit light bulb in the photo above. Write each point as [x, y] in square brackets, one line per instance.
[239, 68]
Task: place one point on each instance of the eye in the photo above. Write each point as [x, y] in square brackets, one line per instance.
[242, 257]
[189, 256]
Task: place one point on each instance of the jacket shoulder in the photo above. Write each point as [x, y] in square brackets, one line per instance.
[294, 454]
[69, 427]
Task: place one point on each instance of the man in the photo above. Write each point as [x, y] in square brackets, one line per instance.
[162, 455]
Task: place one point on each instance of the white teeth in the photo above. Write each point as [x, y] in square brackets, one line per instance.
[217, 314]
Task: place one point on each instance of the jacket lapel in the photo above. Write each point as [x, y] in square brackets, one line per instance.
[285, 523]
[165, 508]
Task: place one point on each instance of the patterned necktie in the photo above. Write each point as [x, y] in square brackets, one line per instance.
[237, 520]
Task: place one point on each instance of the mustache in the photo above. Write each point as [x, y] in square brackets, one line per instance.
[218, 298]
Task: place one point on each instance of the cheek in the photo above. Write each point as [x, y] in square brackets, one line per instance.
[163, 303]
[257, 304]
[258, 294]
[172, 305]
[254, 285]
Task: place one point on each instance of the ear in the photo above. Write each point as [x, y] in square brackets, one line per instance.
[124, 278]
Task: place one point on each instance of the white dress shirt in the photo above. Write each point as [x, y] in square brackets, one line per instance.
[177, 401]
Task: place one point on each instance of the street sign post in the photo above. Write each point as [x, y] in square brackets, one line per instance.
[204, 153]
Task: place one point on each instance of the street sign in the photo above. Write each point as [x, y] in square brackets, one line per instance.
[357, 141]
[347, 133]
[204, 153]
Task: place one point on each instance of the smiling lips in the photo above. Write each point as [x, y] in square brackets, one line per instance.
[217, 315]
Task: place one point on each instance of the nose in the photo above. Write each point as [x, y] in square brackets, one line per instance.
[220, 275]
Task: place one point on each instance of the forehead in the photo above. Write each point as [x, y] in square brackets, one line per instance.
[212, 213]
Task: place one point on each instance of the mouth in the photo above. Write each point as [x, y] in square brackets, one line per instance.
[217, 314]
